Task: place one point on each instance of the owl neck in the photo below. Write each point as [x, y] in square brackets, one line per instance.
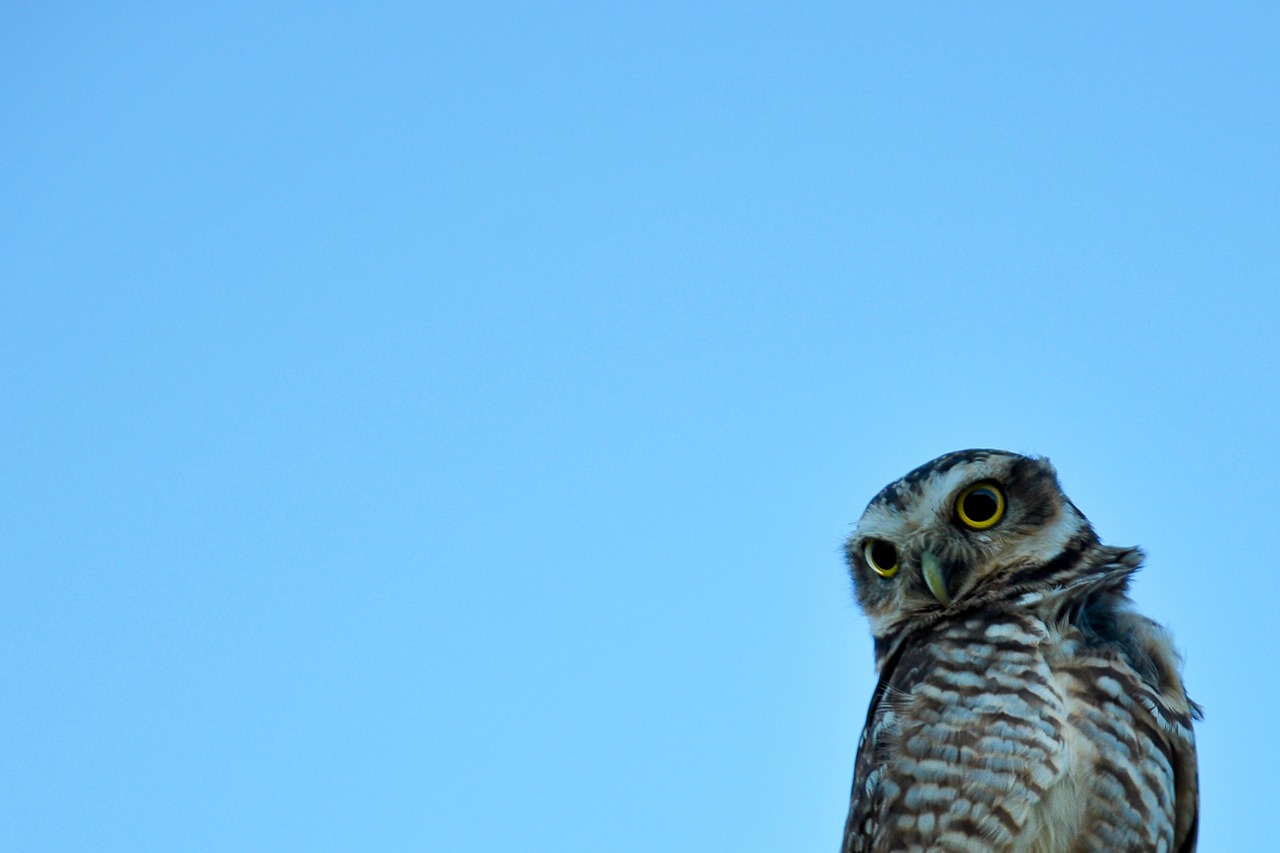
[1083, 572]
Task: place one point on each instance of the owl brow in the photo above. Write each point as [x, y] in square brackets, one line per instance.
[943, 464]
[892, 494]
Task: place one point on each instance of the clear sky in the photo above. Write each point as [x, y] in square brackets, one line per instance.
[434, 426]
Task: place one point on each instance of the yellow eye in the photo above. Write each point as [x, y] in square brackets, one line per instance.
[980, 506]
[882, 557]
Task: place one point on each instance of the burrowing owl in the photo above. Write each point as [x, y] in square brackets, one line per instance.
[1022, 704]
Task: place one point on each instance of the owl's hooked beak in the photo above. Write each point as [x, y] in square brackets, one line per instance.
[931, 568]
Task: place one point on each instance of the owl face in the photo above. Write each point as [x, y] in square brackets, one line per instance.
[968, 523]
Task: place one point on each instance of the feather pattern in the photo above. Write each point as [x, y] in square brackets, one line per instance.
[1036, 711]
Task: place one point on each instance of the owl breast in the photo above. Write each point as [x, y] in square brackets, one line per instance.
[1001, 732]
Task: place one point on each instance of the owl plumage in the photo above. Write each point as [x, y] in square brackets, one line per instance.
[1023, 705]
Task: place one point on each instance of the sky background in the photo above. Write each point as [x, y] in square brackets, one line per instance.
[435, 426]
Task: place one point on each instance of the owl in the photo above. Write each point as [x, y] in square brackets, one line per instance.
[1023, 704]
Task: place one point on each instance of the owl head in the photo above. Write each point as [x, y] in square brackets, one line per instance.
[970, 527]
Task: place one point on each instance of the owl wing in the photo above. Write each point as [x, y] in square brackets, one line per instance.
[879, 733]
[1148, 648]
[866, 797]
[1186, 795]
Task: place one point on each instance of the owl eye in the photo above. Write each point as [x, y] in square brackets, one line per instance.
[980, 506]
[882, 557]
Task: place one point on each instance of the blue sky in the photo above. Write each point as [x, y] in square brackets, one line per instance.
[435, 428]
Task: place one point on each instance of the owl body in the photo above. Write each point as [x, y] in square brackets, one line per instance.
[1022, 704]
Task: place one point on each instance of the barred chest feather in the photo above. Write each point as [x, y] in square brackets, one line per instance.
[1007, 731]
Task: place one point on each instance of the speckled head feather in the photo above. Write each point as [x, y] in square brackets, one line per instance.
[1022, 705]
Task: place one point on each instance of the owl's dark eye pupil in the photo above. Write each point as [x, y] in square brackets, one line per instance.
[980, 505]
[884, 555]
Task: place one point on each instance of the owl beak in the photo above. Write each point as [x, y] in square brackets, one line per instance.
[931, 568]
